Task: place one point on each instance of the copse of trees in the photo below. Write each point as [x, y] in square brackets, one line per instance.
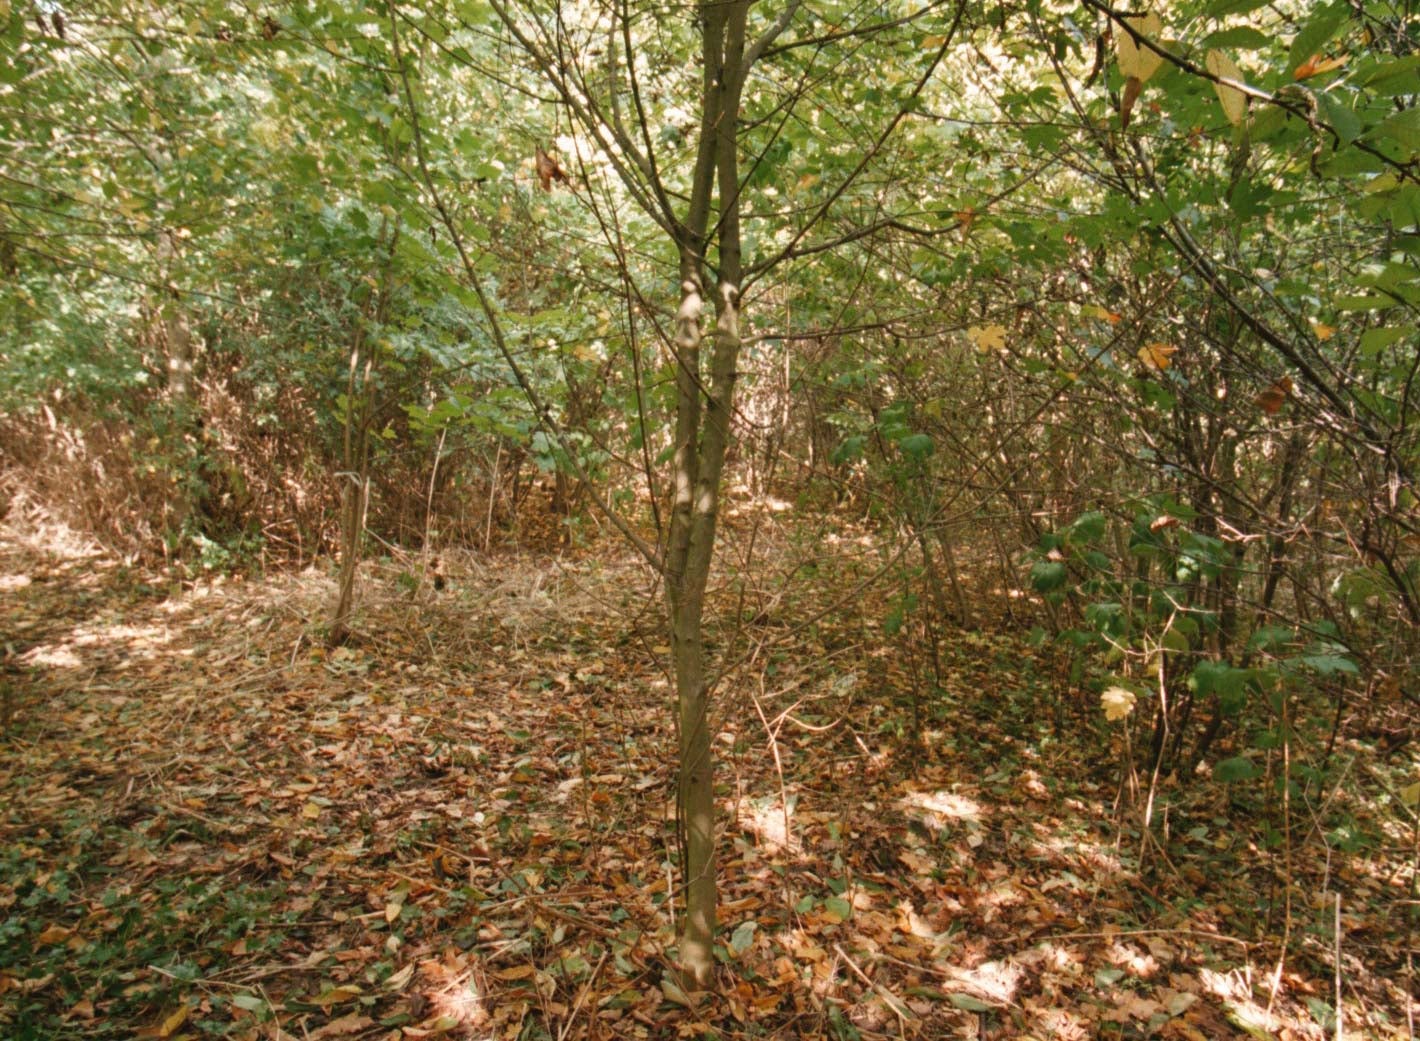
[1115, 309]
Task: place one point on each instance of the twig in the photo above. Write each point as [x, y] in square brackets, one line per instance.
[889, 998]
[1336, 957]
[566, 1027]
[1145, 932]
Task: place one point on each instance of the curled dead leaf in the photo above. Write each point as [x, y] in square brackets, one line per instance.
[1157, 356]
[1317, 64]
[1274, 397]
[1132, 87]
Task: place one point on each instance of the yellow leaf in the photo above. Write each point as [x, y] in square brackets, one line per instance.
[1137, 62]
[173, 1022]
[1234, 101]
[987, 338]
[931, 43]
[335, 995]
[1410, 795]
[1117, 703]
[392, 910]
[1102, 313]
[310, 811]
[517, 972]
[1156, 356]
[1322, 331]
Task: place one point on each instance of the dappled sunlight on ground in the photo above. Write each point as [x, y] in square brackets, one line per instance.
[466, 810]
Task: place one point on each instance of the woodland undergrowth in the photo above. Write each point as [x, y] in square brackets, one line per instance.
[461, 824]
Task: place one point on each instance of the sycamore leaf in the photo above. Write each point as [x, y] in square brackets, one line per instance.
[987, 338]
[1156, 356]
[1233, 100]
[1136, 61]
[1117, 703]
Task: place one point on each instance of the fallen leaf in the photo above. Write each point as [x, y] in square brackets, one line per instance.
[400, 979]
[344, 1026]
[516, 972]
[173, 1021]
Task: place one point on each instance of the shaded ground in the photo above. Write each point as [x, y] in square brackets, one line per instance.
[460, 826]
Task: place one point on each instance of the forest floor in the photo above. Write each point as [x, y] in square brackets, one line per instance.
[461, 825]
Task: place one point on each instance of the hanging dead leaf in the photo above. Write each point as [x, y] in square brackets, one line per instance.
[1274, 397]
[549, 169]
[987, 338]
[1163, 521]
[1157, 356]
[1233, 100]
[1132, 87]
[965, 219]
[1317, 64]
[1136, 60]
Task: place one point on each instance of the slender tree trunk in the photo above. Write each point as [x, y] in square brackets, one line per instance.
[354, 473]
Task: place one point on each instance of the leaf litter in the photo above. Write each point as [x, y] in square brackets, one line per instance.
[461, 825]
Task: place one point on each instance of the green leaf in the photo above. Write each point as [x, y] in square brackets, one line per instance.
[1315, 34]
[1392, 77]
[967, 1003]
[1048, 575]
[1238, 768]
[1271, 637]
[917, 446]
[1346, 123]
[743, 937]
[1402, 128]
[1088, 527]
[1328, 664]
[1373, 341]
[1239, 37]
[839, 908]
[1223, 679]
